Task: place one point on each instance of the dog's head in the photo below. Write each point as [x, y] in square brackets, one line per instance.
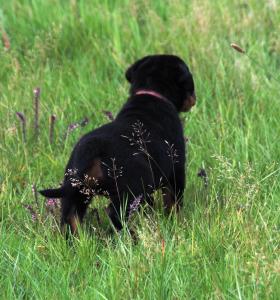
[165, 74]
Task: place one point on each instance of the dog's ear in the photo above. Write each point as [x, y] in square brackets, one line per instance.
[53, 193]
[129, 74]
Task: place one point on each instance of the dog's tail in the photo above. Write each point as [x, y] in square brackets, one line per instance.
[53, 193]
[86, 162]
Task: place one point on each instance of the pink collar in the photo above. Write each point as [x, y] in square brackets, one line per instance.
[152, 93]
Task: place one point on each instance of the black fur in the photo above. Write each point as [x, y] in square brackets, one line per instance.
[142, 150]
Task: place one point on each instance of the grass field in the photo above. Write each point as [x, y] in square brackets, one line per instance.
[225, 242]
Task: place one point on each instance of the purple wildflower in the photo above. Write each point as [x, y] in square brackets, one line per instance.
[22, 119]
[84, 122]
[202, 173]
[34, 215]
[35, 193]
[21, 116]
[37, 93]
[52, 205]
[52, 121]
[76, 125]
[109, 115]
[52, 202]
[133, 207]
[72, 127]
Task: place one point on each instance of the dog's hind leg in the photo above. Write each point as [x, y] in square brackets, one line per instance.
[119, 212]
[78, 188]
[168, 200]
[179, 187]
[174, 191]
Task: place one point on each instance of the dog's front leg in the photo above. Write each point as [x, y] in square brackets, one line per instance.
[72, 214]
[114, 213]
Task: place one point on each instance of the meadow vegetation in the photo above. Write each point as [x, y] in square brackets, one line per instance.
[225, 242]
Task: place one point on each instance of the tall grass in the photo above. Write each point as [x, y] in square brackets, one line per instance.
[225, 243]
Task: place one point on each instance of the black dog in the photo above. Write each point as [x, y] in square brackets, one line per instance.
[142, 150]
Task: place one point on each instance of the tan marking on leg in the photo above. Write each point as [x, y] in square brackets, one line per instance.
[73, 222]
[95, 170]
[169, 201]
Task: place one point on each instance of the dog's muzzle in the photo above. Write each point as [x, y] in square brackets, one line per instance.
[189, 102]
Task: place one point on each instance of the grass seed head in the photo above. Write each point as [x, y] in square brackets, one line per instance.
[6, 41]
[109, 115]
[36, 93]
[22, 119]
[237, 48]
[52, 121]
